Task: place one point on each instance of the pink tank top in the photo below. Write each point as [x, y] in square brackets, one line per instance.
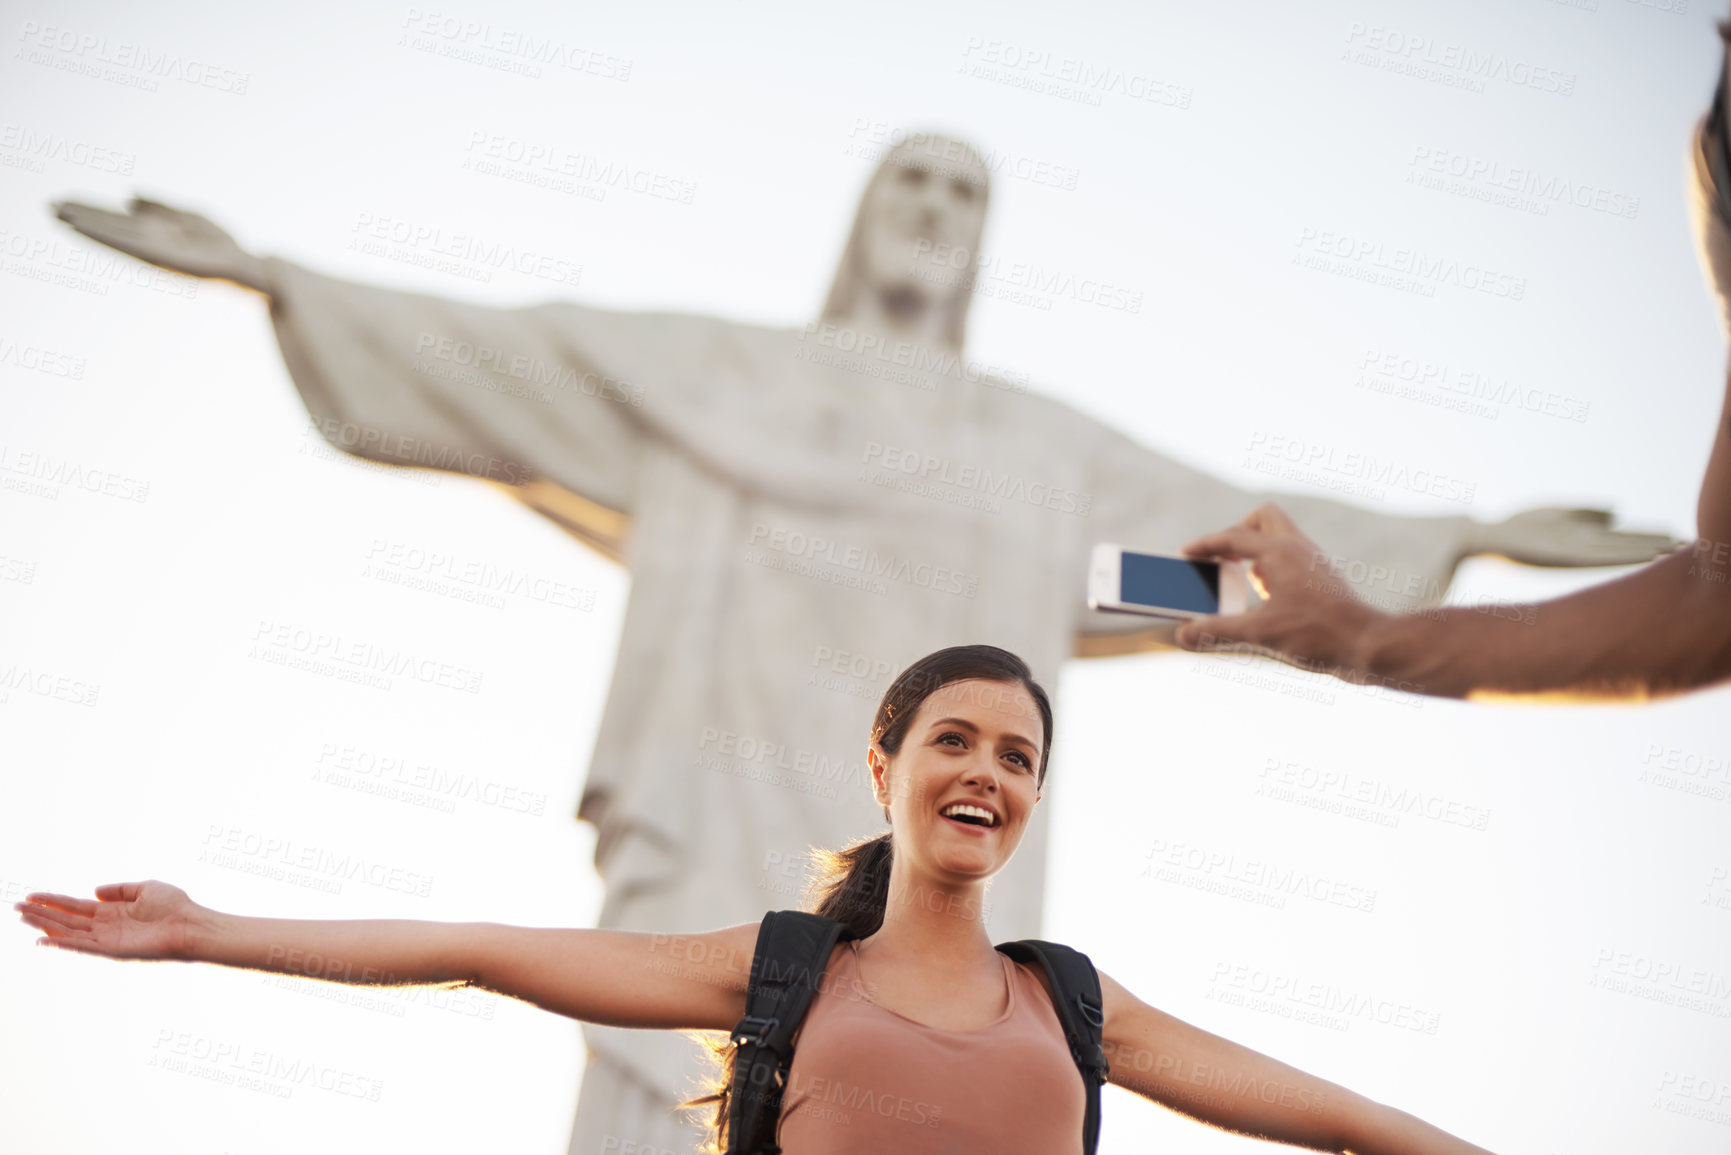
[867, 1081]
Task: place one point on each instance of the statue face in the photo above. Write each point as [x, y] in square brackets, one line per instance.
[922, 222]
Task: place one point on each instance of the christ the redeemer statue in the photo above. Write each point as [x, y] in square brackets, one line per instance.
[796, 507]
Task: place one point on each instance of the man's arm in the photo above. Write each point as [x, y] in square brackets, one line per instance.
[1663, 629]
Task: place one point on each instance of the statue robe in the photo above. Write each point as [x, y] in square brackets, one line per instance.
[755, 482]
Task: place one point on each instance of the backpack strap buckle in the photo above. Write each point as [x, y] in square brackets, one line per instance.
[754, 1029]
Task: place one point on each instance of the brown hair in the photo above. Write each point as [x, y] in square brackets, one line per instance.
[853, 885]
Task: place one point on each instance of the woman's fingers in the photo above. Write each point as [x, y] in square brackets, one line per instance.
[119, 891]
[63, 902]
[48, 916]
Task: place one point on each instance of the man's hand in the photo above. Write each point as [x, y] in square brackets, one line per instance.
[1311, 618]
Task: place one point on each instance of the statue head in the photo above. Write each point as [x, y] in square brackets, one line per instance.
[915, 242]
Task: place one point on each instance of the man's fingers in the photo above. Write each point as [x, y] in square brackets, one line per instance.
[1229, 544]
[1218, 630]
[1270, 519]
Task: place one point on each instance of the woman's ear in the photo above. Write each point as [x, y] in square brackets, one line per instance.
[879, 763]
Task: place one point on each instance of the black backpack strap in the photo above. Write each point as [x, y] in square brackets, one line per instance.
[1076, 998]
[793, 950]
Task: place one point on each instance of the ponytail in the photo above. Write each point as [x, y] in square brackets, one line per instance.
[853, 887]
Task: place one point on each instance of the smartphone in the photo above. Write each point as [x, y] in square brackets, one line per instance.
[1164, 587]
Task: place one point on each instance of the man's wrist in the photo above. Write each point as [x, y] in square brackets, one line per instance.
[1384, 644]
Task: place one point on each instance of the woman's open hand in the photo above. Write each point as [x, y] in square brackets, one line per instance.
[128, 920]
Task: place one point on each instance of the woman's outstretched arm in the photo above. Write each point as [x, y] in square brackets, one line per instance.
[693, 982]
[1237, 1089]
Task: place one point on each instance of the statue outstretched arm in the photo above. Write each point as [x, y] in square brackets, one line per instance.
[174, 239]
[544, 401]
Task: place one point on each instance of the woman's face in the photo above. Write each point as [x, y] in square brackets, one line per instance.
[962, 787]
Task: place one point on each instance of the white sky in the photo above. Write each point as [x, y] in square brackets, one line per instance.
[1552, 951]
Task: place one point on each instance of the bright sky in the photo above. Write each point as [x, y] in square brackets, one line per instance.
[1538, 960]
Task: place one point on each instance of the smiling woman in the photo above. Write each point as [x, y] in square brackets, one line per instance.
[923, 1037]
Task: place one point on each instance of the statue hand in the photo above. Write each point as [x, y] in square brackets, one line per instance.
[182, 241]
[1567, 537]
[129, 920]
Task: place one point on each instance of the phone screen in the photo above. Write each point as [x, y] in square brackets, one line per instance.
[1170, 583]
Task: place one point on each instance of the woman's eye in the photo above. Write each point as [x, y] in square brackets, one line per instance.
[1021, 759]
[952, 734]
